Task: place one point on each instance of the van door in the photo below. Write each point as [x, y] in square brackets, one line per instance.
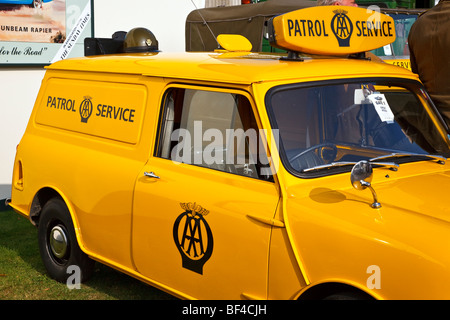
[194, 201]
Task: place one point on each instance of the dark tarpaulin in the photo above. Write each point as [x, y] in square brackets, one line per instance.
[247, 20]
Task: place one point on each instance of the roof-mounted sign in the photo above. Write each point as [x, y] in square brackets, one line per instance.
[331, 30]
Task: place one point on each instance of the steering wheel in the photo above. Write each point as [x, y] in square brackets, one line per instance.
[309, 158]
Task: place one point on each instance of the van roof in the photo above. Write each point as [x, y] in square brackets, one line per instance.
[230, 67]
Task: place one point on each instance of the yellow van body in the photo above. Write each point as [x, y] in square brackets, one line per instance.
[95, 141]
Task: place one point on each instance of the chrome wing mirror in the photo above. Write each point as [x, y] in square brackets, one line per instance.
[361, 177]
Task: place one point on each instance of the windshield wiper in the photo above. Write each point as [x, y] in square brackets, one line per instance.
[390, 165]
[439, 159]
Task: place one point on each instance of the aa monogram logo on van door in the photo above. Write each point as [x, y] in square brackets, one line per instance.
[193, 237]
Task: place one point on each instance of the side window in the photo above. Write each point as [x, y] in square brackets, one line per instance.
[211, 129]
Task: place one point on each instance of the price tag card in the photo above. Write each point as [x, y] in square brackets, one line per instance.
[382, 107]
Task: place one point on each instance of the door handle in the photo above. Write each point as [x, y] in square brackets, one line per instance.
[151, 175]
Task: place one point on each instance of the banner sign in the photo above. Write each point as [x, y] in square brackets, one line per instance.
[42, 32]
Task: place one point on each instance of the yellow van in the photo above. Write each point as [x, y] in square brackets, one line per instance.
[238, 175]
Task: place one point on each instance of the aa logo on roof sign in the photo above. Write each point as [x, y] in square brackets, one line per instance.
[342, 27]
[334, 32]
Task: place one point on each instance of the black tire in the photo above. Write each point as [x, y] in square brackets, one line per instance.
[58, 245]
[348, 296]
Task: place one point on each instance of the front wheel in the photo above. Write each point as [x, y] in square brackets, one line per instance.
[58, 245]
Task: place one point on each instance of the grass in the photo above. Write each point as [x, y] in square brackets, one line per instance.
[23, 276]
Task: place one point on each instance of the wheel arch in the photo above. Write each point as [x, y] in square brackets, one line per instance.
[42, 197]
[39, 201]
[327, 289]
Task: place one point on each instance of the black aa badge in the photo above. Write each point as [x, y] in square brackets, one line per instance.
[342, 27]
[86, 109]
[193, 237]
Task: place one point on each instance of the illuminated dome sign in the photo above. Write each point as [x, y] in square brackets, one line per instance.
[331, 30]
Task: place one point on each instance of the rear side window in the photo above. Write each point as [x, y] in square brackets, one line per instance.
[211, 129]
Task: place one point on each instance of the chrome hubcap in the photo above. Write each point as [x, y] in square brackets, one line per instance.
[58, 242]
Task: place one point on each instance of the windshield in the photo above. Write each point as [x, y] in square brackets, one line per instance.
[328, 123]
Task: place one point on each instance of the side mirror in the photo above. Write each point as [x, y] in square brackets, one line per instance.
[361, 175]
[361, 178]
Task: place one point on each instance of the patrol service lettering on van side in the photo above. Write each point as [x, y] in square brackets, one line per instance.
[404, 64]
[117, 113]
[85, 109]
[61, 103]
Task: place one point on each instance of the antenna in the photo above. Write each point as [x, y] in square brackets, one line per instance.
[204, 21]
